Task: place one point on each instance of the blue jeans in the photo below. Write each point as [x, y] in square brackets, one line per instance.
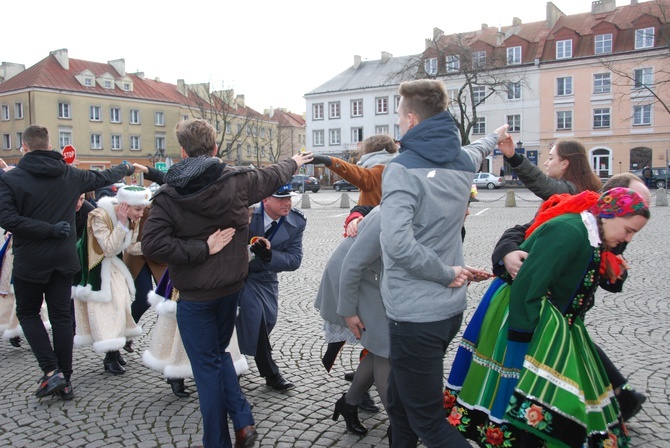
[416, 384]
[206, 329]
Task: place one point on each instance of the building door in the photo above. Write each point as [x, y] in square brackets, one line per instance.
[601, 162]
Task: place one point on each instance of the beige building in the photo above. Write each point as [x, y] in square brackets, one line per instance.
[110, 115]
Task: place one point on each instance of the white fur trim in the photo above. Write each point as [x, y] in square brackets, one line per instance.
[173, 371]
[86, 293]
[134, 195]
[109, 345]
[82, 340]
[12, 333]
[154, 299]
[167, 308]
[152, 362]
[137, 331]
[3, 327]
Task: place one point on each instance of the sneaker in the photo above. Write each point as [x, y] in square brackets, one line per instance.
[366, 403]
[67, 393]
[630, 402]
[49, 385]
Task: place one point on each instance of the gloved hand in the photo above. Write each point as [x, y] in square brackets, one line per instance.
[130, 169]
[60, 230]
[321, 159]
[262, 252]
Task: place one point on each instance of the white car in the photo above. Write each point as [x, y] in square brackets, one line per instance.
[489, 181]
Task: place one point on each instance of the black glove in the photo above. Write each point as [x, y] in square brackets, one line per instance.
[60, 230]
[130, 169]
[320, 159]
[261, 251]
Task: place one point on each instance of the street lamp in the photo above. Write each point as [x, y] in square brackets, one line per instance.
[156, 156]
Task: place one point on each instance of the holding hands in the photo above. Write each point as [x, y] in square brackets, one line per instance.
[302, 158]
[462, 277]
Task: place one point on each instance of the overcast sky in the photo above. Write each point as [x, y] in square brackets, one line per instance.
[270, 51]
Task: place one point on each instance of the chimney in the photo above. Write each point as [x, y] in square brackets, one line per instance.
[357, 61]
[239, 99]
[500, 37]
[181, 87]
[9, 70]
[157, 79]
[633, 2]
[386, 57]
[119, 65]
[62, 58]
[484, 26]
[553, 14]
[601, 6]
[516, 21]
[437, 33]
[139, 75]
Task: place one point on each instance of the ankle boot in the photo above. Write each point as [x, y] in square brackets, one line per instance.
[120, 358]
[350, 414]
[178, 387]
[112, 365]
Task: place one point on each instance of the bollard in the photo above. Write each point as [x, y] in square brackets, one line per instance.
[305, 201]
[510, 200]
[661, 198]
[344, 201]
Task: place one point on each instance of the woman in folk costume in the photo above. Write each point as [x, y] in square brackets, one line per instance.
[526, 372]
[9, 323]
[166, 352]
[104, 293]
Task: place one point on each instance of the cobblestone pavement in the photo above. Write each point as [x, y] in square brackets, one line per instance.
[138, 409]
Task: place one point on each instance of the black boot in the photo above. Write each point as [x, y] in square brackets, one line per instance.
[111, 363]
[178, 387]
[15, 341]
[350, 414]
[120, 358]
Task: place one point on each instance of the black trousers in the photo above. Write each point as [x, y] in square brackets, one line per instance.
[266, 365]
[56, 292]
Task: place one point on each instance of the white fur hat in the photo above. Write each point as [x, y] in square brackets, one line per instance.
[134, 195]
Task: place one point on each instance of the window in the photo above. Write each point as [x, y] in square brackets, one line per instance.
[64, 139]
[160, 119]
[453, 95]
[396, 132]
[107, 83]
[248, 129]
[317, 111]
[96, 141]
[95, 113]
[228, 128]
[356, 135]
[19, 140]
[453, 63]
[135, 143]
[88, 81]
[564, 49]
[271, 133]
[217, 126]
[479, 128]
[602, 83]
[6, 141]
[430, 66]
[564, 86]
[564, 120]
[248, 150]
[116, 142]
[262, 132]
[356, 108]
[317, 136]
[382, 105]
[18, 111]
[134, 116]
[478, 59]
[115, 115]
[254, 130]
[642, 115]
[514, 122]
[334, 110]
[239, 128]
[335, 137]
[396, 101]
[514, 55]
[184, 117]
[5, 112]
[514, 90]
[642, 78]
[603, 43]
[126, 86]
[160, 142]
[601, 118]
[478, 95]
[644, 38]
[381, 130]
[64, 110]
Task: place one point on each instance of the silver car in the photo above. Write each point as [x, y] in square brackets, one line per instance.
[489, 181]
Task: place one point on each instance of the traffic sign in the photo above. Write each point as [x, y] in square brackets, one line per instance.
[69, 154]
[161, 166]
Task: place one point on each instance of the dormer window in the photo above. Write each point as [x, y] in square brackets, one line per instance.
[514, 56]
[644, 38]
[478, 59]
[126, 86]
[564, 49]
[603, 43]
[430, 66]
[453, 63]
[88, 81]
[107, 83]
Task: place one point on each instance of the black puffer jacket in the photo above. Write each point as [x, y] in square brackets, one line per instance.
[40, 192]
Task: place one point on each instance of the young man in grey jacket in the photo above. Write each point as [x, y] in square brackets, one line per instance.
[425, 193]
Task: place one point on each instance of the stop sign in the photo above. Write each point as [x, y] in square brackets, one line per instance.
[69, 154]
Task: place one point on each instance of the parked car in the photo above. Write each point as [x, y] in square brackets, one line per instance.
[344, 185]
[489, 181]
[302, 183]
[658, 178]
[109, 190]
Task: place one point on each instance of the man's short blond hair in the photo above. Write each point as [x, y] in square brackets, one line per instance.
[424, 98]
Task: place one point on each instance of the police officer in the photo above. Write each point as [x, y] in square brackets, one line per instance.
[283, 226]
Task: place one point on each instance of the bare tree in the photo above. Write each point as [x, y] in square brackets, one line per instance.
[480, 74]
[222, 109]
[262, 132]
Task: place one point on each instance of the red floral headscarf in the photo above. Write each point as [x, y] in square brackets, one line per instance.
[618, 202]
